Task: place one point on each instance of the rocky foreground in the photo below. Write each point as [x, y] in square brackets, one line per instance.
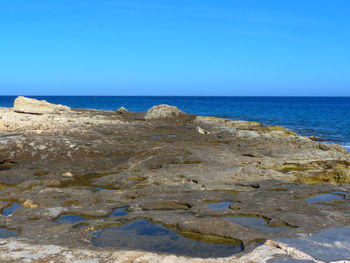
[76, 183]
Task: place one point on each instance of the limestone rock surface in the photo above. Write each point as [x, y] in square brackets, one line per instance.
[34, 106]
[126, 168]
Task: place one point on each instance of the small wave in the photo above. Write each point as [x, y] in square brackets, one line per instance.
[346, 145]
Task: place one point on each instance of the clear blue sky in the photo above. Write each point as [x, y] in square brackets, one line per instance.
[175, 47]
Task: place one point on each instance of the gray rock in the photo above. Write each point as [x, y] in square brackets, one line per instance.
[287, 259]
[52, 212]
[33, 106]
[167, 112]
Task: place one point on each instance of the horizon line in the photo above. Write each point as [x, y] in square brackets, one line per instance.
[214, 96]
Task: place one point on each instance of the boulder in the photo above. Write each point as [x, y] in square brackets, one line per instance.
[202, 131]
[33, 106]
[168, 113]
[67, 174]
[121, 110]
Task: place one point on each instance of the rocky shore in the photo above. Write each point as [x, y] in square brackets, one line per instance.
[117, 186]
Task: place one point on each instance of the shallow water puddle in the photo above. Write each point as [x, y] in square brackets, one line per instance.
[11, 209]
[219, 205]
[5, 233]
[147, 236]
[70, 219]
[326, 197]
[259, 223]
[119, 212]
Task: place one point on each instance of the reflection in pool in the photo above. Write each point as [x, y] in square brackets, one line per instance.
[70, 219]
[147, 236]
[219, 205]
[11, 209]
[259, 223]
[326, 197]
[119, 212]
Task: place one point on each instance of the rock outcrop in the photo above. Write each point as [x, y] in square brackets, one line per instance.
[168, 113]
[121, 110]
[34, 106]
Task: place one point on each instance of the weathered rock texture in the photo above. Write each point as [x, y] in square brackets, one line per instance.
[170, 113]
[167, 174]
[33, 106]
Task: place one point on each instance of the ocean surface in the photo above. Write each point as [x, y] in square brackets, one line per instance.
[324, 117]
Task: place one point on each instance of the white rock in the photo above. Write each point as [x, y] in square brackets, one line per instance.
[202, 131]
[121, 110]
[67, 174]
[28, 105]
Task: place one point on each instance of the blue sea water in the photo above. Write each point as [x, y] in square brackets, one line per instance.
[324, 117]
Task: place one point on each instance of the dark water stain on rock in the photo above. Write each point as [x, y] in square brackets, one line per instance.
[70, 219]
[170, 136]
[326, 197]
[6, 165]
[277, 190]
[219, 205]
[121, 211]
[230, 192]
[83, 180]
[147, 236]
[6, 233]
[260, 223]
[41, 173]
[70, 202]
[11, 209]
